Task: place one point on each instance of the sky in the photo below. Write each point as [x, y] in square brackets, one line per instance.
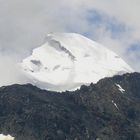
[24, 25]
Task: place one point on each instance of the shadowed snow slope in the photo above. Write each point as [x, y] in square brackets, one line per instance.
[68, 60]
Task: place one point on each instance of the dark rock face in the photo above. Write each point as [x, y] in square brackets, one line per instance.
[97, 112]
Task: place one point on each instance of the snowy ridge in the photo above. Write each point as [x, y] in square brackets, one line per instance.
[68, 60]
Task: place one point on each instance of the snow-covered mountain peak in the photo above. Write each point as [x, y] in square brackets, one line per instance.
[68, 60]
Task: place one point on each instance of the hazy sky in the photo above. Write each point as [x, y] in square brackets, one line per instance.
[25, 23]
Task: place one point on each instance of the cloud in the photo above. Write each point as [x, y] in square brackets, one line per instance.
[9, 71]
[24, 25]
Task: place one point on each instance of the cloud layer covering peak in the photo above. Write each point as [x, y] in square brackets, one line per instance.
[24, 25]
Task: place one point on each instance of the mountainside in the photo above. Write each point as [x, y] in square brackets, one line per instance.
[68, 60]
[108, 110]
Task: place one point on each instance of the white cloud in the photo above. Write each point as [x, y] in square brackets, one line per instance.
[9, 71]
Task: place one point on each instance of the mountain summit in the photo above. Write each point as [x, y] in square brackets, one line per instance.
[68, 60]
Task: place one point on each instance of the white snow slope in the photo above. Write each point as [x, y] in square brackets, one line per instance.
[6, 137]
[68, 60]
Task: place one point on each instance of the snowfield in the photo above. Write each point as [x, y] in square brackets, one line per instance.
[4, 137]
[68, 60]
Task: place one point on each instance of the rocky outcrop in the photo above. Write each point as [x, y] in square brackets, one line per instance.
[108, 110]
